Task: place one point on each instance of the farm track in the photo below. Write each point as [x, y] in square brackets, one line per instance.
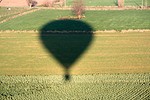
[98, 8]
[19, 14]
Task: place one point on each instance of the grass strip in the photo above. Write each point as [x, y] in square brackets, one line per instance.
[98, 20]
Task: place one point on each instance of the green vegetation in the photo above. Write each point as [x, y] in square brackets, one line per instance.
[92, 87]
[115, 66]
[95, 2]
[6, 13]
[99, 20]
[108, 2]
[22, 54]
[133, 2]
[33, 21]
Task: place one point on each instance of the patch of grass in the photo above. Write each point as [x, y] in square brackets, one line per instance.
[99, 20]
[5, 13]
[94, 3]
[118, 20]
[33, 21]
[24, 54]
[107, 2]
[97, 86]
[132, 2]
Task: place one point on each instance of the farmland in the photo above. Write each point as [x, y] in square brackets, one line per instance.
[111, 62]
[5, 13]
[127, 19]
[26, 51]
[109, 2]
[115, 66]
[97, 86]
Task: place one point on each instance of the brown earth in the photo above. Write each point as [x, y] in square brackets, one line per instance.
[18, 3]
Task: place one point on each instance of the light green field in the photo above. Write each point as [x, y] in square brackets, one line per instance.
[109, 2]
[24, 53]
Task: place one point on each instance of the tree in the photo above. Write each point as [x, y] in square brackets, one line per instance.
[78, 8]
[31, 3]
[120, 3]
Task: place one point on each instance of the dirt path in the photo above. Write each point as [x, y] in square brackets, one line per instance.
[99, 8]
[19, 14]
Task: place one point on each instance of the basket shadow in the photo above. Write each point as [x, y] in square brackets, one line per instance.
[66, 40]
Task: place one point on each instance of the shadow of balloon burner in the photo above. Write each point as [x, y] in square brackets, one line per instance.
[66, 40]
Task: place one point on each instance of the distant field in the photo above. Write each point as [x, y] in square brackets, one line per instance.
[108, 2]
[99, 20]
[5, 13]
[24, 53]
[96, 2]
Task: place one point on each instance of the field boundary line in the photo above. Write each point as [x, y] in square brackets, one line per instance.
[94, 32]
[20, 14]
[98, 8]
[123, 31]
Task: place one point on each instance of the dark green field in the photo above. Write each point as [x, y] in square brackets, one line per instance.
[99, 20]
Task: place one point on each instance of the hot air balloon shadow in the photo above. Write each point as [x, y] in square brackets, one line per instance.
[66, 40]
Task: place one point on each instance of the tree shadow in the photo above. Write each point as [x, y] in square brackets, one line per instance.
[66, 40]
[116, 2]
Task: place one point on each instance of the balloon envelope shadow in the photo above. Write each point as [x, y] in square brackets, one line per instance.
[66, 40]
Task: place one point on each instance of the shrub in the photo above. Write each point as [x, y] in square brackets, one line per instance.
[78, 8]
[32, 3]
[51, 3]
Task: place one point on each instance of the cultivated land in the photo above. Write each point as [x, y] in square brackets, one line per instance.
[109, 2]
[81, 87]
[99, 20]
[24, 54]
[5, 13]
[114, 66]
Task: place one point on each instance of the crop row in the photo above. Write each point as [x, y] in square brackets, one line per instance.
[96, 86]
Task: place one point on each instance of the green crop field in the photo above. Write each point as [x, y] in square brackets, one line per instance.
[109, 2]
[5, 13]
[99, 20]
[95, 2]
